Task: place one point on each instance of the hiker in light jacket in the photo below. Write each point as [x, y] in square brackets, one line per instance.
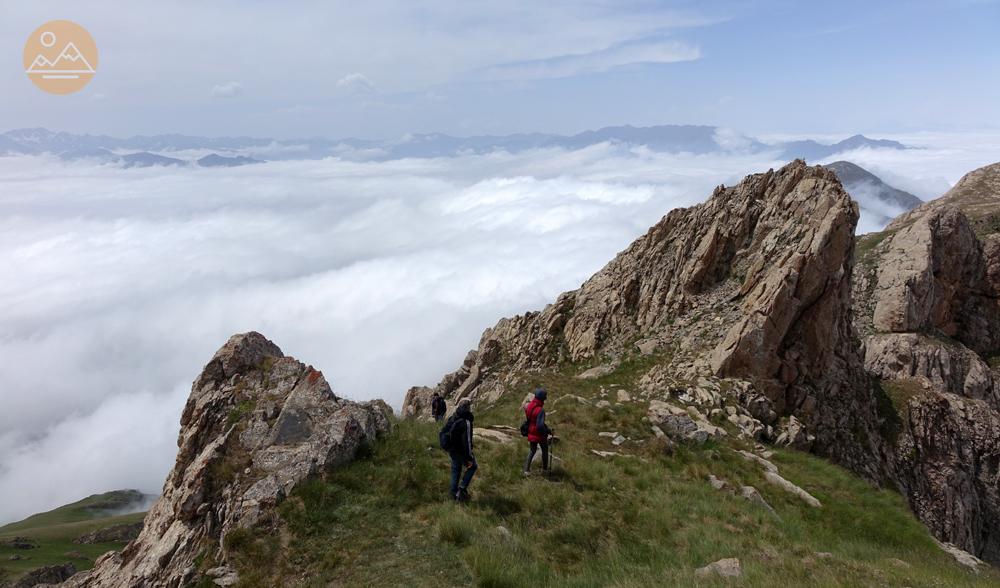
[538, 431]
[461, 451]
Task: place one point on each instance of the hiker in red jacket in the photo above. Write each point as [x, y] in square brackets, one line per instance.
[538, 431]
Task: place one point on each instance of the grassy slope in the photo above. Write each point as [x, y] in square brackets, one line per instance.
[650, 519]
[55, 530]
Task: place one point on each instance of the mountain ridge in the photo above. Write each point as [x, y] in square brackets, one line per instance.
[752, 277]
[697, 139]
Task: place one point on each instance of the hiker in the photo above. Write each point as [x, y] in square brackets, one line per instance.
[538, 431]
[459, 429]
[438, 407]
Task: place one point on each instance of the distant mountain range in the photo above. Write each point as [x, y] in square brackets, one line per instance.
[855, 178]
[142, 150]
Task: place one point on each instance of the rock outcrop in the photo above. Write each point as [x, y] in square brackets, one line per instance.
[123, 533]
[46, 576]
[757, 293]
[754, 284]
[417, 404]
[256, 424]
[928, 296]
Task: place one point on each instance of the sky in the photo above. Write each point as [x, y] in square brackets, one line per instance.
[381, 69]
[116, 286]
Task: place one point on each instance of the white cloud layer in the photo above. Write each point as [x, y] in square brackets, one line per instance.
[116, 286]
[356, 83]
[625, 54]
[227, 90]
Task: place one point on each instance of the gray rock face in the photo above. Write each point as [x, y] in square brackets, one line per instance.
[949, 467]
[121, 533]
[933, 277]
[930, 306]
[46, 575]
[945, 366]
[769, 260]
[417, 404]
[256, 424]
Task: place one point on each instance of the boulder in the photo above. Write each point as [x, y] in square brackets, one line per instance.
[794, 435]
[680, 424]
[754, 498]
[21, 543]
[716, 483]
[724, 568]
[596, 372]
[54, 574]
[257, 423]
[777, 480]
[122, 533]
[963, 557]
[494, 435]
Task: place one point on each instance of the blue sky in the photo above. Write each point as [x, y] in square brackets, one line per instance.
[386, 68]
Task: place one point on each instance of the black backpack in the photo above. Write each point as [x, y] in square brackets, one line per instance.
[445, 435]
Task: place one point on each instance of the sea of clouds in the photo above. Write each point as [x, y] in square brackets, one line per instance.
[117, 286]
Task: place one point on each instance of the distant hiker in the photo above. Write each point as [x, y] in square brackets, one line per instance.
[456, 437]
[538, 431]
[438, 406]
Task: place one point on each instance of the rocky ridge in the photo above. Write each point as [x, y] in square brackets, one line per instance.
[752, 307]
[256, 424]
[751, 288]
[928, 297]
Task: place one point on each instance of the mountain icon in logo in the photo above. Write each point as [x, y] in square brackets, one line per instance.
[70, 56]
[60, 57]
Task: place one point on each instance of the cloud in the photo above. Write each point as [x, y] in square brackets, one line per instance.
[116, 286]
[731, 139]
[625, 54]
[356, 83]
[227, 90]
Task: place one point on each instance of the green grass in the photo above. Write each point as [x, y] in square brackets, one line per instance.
[644, 520]
[95, 506]
[55, 530]
[865, 244]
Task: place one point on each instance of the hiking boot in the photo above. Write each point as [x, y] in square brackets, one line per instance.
[463, 495]
[526, 473]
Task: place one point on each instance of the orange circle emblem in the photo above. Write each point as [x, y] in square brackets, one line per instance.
[60, 57]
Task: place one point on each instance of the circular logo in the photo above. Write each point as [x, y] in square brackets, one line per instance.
[60, 57]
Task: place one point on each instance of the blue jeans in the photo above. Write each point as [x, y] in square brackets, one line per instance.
[457, 463]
